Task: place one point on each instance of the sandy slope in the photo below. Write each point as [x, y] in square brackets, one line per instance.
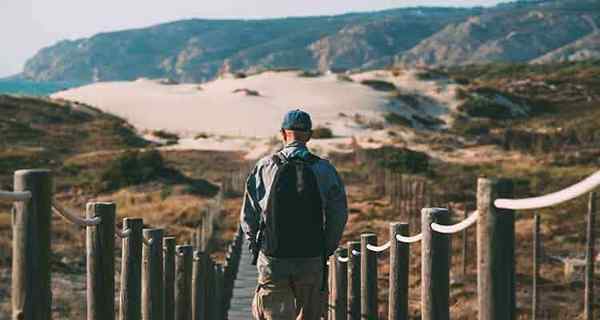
[214, 107]
[239, 121]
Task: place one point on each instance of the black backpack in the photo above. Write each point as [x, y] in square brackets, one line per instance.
[293, 227]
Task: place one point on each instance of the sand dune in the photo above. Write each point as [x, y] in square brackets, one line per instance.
[251, 108]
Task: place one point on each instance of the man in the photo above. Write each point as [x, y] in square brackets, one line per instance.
[293, 216]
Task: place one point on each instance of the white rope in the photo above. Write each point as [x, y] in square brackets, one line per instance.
[412, 239]
[74, 218]
[574, 191]
[379, 248]
[15, 196]
[148, 242]
[469, 221]
[123, 234]
[343, 259]
[355, 253]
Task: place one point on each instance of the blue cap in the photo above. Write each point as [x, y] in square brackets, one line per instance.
[297, 120]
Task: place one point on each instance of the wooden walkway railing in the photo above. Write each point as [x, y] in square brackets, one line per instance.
[160, 280]
[203, 289]
[353, 270]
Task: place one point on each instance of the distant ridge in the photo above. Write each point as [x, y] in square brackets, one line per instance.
[199, 50]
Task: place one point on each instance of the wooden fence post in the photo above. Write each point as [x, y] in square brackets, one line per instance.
[330, 287]
[495, 252]
[152, 276]
[183, 287]
[131, 271]
[211, 297]
[353, 281]
[100, 243]
[536, 267]
[341, 286]
[220, 315]
[368, 277]
[590, 256]
[465, 245]
[199, 284]
[399, 270]
[435, 266]
[31, 293]
[169, 277]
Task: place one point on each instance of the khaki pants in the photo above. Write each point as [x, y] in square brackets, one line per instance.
[294, 294]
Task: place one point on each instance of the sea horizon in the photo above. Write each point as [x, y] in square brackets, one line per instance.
[16, 86]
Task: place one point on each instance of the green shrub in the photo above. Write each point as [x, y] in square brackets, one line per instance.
[322, 133]
[132, 168]
[345, 78]
[309, 74]
[404, 160]
[481, 107]
[396, 119]
[379, 85]
[165, 135]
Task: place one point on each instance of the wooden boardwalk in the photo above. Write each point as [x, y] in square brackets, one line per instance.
[244, 288]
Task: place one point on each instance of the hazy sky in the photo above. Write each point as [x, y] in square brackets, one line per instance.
[28, 25]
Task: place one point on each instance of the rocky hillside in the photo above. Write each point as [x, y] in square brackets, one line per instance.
[198, 50]
[516, 33]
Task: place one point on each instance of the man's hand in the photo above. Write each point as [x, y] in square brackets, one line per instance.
[254, 250]
[252, 246]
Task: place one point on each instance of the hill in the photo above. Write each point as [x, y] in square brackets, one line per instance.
[518, 33]
[198, 50]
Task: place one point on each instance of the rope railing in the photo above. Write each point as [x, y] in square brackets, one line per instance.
[15, 195]
[123, 234]
[585, 186]
[412, 239]
[343, 259]
[150, 261]
[456, 227]
[355, 253]
[74, 218]
[380, 248]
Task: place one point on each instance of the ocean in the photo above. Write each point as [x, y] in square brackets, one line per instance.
[33, 88]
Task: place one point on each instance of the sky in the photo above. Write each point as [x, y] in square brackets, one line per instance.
[29, 25]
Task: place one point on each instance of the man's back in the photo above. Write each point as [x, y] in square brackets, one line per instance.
[293, 216]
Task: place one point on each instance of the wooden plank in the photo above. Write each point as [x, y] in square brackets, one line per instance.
[435, 266]
[399, 271]
[495, 252]
[30, 293]
[100, 254]
[368, 277]
[130, 298]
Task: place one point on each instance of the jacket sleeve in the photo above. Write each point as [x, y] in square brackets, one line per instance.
[336, 212]
[250, 213]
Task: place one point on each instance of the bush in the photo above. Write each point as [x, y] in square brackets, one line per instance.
[472, 127]
[322, 133]
[171, 138]
[132, 168]
[402, 160]
[345, 78]
[379, 85]
[396, 119]
[482, 107]
[309, 74]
